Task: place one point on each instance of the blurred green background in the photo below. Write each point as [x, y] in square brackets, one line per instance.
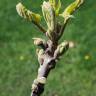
[75, 73]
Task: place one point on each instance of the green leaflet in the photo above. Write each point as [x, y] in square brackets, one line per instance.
[27, 14]
[36, 17]
[56, 4]
[71, 8]
[48, 14]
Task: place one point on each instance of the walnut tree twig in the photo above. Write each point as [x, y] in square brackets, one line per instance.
[50, 51]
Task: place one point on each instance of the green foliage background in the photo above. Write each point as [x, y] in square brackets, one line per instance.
[75, 73]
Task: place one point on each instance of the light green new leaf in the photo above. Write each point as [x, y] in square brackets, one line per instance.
[27, 14]
[56, 4]
[49, 16]
[48, 13]
[71, 8]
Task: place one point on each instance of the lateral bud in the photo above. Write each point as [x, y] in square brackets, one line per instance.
[40, 42]
[61, 49]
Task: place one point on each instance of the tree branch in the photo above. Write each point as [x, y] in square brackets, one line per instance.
[47, 61]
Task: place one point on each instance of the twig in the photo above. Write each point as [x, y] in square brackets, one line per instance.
[39, 26]
[50, 50]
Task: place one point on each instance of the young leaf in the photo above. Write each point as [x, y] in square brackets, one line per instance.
[71, 8]
[48, 14]
[27, 14]
[56, 4]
